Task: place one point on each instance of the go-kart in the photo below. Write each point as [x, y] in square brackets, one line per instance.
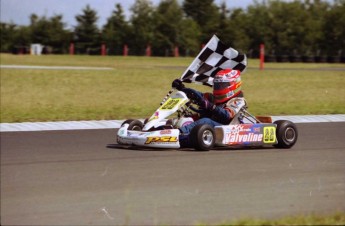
[162, 131]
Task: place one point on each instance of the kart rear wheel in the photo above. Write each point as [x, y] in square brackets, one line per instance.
[203, 137]
[134, 124]
[286, 134]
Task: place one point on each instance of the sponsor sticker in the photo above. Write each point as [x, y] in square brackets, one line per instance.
[164, 139]
[244, 134]
[154, 117]
[165, 132]
[233, 72]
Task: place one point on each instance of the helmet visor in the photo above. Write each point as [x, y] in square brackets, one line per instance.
[221, 85]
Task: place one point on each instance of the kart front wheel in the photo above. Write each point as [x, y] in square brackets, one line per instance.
[286, 134]
[134, 124]
[203, 137]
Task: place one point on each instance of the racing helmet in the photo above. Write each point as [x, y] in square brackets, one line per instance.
[226, 85]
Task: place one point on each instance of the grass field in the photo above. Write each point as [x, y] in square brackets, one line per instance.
[334, 219]
[136, 85]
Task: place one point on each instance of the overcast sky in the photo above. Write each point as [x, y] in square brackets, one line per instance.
[19, 11]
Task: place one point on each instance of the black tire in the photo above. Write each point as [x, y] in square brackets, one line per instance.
[286, 133]
[203, 137]
[134, 124]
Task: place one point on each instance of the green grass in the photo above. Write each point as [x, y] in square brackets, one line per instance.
[334, 219]
[136, 86]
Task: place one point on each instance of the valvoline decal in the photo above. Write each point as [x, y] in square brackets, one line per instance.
[244, 134]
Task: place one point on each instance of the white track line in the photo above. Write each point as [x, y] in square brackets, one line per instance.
[112, 124]
[53, 67]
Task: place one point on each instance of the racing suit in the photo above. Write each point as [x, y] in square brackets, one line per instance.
[211, 113]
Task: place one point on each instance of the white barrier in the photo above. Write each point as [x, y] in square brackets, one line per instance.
[36, 49]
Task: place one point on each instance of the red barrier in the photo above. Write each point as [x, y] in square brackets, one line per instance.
[176, 52]
[125, 50]
[71, 49]
[262, 56]
[103, 50]
[148, 50]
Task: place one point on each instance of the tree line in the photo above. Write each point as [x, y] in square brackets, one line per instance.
[299, 28]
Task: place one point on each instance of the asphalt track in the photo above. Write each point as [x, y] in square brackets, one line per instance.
[81, 178]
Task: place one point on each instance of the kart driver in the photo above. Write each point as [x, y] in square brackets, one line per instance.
[220, 107]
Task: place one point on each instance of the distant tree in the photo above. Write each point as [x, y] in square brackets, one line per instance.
[223, 15]
[39, 29]
[312, 28]
[115, 31]
[167, 19]
[59, 37]
[285, 27]
[8, 34]
[87, 34]
[22, 40]
[206, 14]
[234, 29]
[287, 22]
[257, 26]
[189, 37]
[333, 36]
[223, 31]
[142, 26]
[49, 32]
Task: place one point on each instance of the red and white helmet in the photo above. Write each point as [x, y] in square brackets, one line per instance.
[226, 85]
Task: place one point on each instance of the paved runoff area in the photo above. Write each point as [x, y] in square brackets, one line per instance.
[111, 124]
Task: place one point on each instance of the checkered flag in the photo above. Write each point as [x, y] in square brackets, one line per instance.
[215, 56]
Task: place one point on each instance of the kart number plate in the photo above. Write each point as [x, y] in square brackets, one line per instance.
[170, 103]
[269, 135]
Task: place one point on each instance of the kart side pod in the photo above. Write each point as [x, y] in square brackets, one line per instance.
[246, 135]
[205, 137]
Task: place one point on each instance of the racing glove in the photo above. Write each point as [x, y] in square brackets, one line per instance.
[193, 94]
[177, 84]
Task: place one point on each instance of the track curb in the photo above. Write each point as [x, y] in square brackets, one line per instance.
[112, 124]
